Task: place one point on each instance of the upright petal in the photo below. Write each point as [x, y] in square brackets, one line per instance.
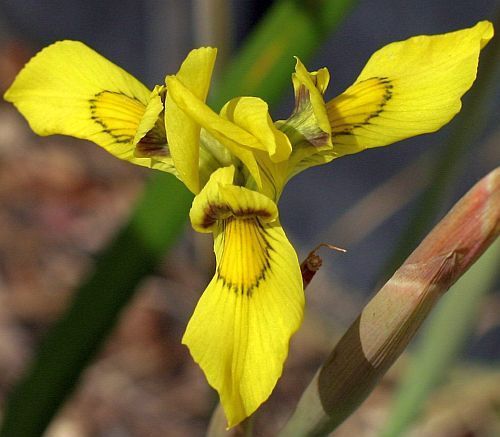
[310, 117]
[407, 88]
[200, 115]
[240, 330]
[70, 89]
[150, 140]
[252, 115]
[184, 132]
[151, 119]
[308, 127]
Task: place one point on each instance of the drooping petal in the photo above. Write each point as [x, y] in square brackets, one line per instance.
[240, 330]
[70, 89]
[407, 88]
[183, 132]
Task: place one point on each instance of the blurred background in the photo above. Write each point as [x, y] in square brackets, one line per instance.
[63, 200]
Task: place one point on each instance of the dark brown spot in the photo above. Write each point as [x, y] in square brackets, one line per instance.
[154, 143]
[214, 212]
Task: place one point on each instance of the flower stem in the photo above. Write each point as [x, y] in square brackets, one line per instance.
[390, 320]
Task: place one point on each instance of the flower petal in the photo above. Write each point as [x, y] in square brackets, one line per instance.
[220, 199]
[70, 89]
[407, 88]
[225, 132]
[151, 118]
[308, 127]
[183, 132]
[150, 140]
[240, 330]
[252, 115]
[309, 89]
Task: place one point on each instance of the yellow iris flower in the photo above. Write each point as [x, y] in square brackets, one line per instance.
[237, 162]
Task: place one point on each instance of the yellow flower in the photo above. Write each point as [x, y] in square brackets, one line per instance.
[237, 163]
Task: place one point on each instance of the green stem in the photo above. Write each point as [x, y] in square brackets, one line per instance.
[444, 337]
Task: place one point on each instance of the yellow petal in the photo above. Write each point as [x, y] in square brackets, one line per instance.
[150, 117]
[252, 115]
[240, 330]
[227, 133]
[220, 199]
[308, 127]
[183, 132]
[407, 88]
[309, 89]
[150, 140]
[70, 89]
